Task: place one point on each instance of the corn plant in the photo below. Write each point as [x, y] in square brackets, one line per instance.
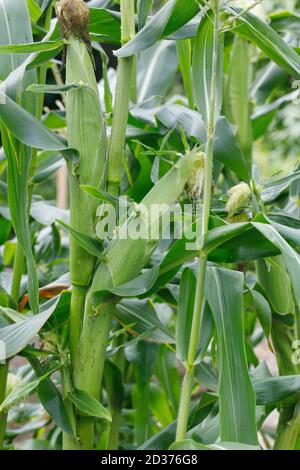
[135, 319]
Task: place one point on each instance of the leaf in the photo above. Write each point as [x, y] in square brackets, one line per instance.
[226, 148]
[92, 245]
[143, 316]
[276, 389]
[100, 194]
[202, 69]
[263, 311]
[156, 70]
[20, 392]
[144, 7]
[26, 128]
[104, 25]
[13, 13]
[28, 48]
[159, 405]
[88, 405]
[274, 189]
[224, 293]
[165, 438]
[51, 399]
[290, 257]
[18, 335]
[185, 313]
[138, 286]
[54, 89]
[264, 115]
[262, 35]
[18, 156]
[173, 15]
[237, 96]
[184, 52]
[190, 444]
[34, 10]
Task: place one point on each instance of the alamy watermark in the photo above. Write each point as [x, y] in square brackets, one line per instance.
[151, 222]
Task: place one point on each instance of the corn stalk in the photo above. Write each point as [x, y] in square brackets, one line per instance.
[186, 392]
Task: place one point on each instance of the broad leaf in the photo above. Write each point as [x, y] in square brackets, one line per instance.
[224, 293]
[88, 405]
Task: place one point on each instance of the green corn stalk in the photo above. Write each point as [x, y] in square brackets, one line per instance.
[86, 134]
[126, 74]
[125, 78]
[122, 262]
[186, 391]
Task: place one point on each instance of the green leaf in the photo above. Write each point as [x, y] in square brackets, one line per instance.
[190, 444]
[20, 392]
[262, 35]
[144, 7]
[276, 389]
[202, 69]
[290, 257]
[26, 128]
[28, 48]
[273, 189]
[173, 15]
[263, 311]
[18, 335]
[224, 293]
[226, 148]
[100, 194]
[159, 405]
[34, 10]
[142, 314]
[185, 313]
[54, 89]
[264, 115]
[156, 70]
[88, 405]
[137, 287]
[14, 28]
[51, 398]
[237, 96]
[18, 156]
[104, 25]
[92, 245]
[184, 52]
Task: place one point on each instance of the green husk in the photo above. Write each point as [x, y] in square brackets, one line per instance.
[122, 262]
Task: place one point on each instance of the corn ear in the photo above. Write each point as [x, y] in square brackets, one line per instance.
[122, 262]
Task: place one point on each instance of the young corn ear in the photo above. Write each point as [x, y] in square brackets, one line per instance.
[122, 262]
